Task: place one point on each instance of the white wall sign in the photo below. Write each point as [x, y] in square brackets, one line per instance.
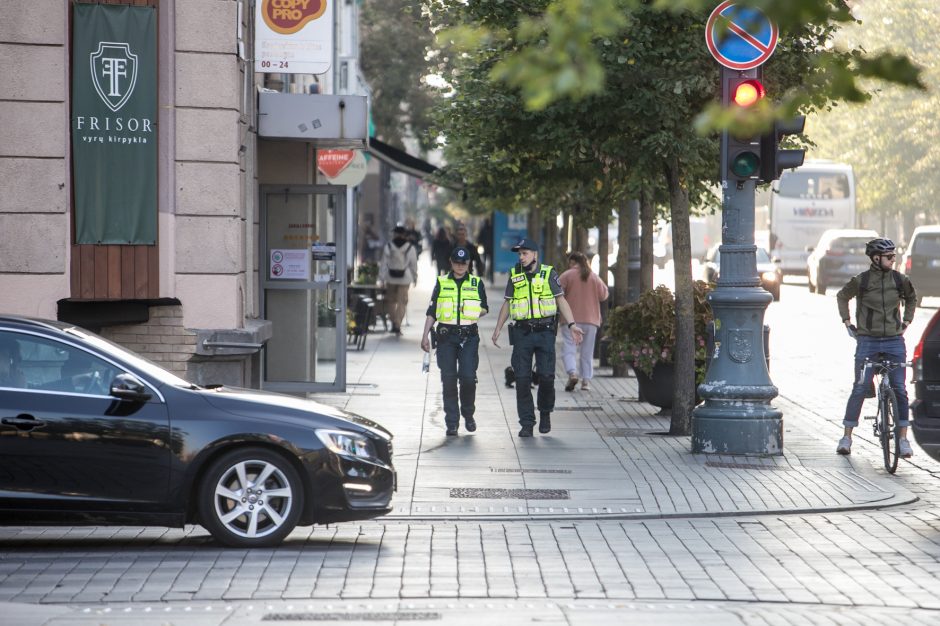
[289, 264]
[293, 36]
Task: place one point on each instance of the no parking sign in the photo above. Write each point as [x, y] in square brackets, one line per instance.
[740, 38]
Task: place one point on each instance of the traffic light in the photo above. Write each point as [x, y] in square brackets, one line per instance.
[742, 155]
[773, 159]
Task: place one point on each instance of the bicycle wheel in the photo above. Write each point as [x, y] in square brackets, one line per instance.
[890, 443]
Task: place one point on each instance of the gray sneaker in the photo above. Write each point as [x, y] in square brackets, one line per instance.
[845, 446]
[905, 447]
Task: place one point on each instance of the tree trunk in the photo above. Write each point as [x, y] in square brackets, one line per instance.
[684, 393]
[647, 219]
[622, 266]
[603, 245]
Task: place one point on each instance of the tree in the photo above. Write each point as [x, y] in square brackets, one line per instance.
[395, 40]
[636, 136]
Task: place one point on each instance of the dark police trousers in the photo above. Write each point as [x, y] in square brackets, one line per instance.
[457, 358]
[541, 344]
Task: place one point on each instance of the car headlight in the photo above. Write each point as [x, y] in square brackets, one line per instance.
[348, 444]
[770, 277]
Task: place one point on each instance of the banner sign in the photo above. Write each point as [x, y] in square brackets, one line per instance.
[114, 113]
[293, 36]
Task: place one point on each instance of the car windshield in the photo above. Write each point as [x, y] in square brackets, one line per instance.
[927, 244]
[762, 257]
[148, 367]
[849, 244]
[814, 185]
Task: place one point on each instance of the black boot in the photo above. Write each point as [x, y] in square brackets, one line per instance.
[545, 422]
[525, 431]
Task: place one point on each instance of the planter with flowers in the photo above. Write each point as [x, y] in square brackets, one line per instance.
[643, 335]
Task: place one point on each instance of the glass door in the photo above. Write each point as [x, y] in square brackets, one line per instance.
[303, 286]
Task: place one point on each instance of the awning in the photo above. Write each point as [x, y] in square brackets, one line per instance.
[399, 159]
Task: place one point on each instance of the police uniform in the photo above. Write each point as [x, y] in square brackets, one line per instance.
[533, 309]
[456, 305]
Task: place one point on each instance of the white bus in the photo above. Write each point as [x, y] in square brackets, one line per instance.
[805, 202]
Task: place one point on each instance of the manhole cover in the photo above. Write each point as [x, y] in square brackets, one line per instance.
[746, 466]
[630, 432]
[516, 470]
[578, 408]
[388, 616]
[509, 494]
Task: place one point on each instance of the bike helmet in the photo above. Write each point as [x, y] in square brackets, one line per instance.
[879, 246]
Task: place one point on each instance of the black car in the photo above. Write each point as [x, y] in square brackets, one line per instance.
[925, 409]
[91, 433]
[771, 276]
[839, 255]
[921, 261]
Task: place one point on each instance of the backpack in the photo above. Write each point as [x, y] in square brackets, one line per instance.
[398, 260]
[896, 275]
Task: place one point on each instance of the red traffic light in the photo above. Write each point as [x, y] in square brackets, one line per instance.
[747, 93]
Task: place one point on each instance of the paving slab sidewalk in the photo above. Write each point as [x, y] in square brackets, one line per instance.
[607, 456]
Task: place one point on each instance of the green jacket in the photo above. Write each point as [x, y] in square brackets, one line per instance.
[878, 303]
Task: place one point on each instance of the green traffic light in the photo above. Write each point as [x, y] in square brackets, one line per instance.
[745, 164]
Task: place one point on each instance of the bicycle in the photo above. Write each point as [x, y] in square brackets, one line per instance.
[886, 418]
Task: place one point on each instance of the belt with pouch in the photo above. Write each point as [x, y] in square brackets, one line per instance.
[537, 325]
[459, 331]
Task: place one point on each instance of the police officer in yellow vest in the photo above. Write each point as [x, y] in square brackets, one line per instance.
[534, 297]
[457, 302]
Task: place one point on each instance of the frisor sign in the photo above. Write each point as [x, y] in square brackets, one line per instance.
[113, 119]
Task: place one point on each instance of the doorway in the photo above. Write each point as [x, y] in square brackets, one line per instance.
[302, 269]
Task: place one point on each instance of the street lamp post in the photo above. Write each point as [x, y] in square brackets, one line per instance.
[736, 417]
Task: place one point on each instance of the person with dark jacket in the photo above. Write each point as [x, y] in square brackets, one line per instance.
[879, 292]
[440, 251]
[460, 239]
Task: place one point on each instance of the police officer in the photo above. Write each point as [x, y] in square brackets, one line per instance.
[534, 297]
[457, 302]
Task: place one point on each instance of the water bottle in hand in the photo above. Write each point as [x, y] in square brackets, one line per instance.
[426, 364]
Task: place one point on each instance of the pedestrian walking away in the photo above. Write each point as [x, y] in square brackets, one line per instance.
[399, 271]
[879, 293]
[440, 251]
[461, 241]
[534, 297]
[457, 302]
[584, 291]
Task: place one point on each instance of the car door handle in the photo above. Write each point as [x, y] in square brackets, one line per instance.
[23, 422]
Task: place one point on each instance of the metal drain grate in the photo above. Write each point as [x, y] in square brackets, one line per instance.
[578, 408]
[630, 432]
[352, 617]
[516, 470]
[746, 466]
[509, 494]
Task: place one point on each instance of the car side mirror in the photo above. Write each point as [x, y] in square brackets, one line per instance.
[128, 387]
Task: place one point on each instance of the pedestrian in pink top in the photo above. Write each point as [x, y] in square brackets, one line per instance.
[584, 291]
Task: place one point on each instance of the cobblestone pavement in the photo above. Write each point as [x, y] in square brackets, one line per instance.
[813, 560]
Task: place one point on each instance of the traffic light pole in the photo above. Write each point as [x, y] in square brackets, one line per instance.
[736, 417]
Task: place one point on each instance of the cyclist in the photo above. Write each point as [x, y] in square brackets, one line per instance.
[878, 292]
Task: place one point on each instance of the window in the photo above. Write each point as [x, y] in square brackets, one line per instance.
[54, 366]
[814, 185]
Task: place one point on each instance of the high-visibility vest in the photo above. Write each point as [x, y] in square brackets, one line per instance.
[458, 304]
[531, 299]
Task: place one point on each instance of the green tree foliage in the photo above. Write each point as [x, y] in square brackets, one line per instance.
[395, 42]
[891, 140]
[589, 153]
